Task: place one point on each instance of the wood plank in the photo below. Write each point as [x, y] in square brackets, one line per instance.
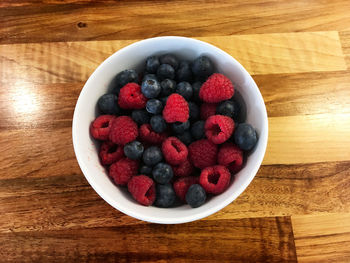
[322, 238]
[253, 240]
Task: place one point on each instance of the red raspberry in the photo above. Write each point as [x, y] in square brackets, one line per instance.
[174, 151]
[143, 189]
[181, 186]
[219, 128]
[217, 88]
[203, 153]
[150, 136]
[100, 127]
[130, 97]
[176, 109]
[123, 170]
[230, 156]
[110, 153]
[123, 130]
[215, 179]
[207, 110]
[183, 169]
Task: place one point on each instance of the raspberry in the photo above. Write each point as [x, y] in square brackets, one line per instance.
[181, 186]
[123, 130]
[176, 109]
[110, 153]
[217, 88]
[230, 156]
[215, 179]
[142, 189]
[185, 168]
[219, 128]
[207, 110]
[100, 127]
[203, 153]
[130, 97]
[123, 170]
[174, 151]
[150, 136]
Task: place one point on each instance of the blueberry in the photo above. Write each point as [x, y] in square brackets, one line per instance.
[163, 100]
[184, 89]
[152, 64]
[245, 136]
[122, 78]
[162, 173]
[158, 123]
[133, 150]
[150, 88]
[194, 111]
[146, 170]
[186, 137]
[202, 67]
[168, 87]
[165, 195]
[197, 130]
[140, 116]
[184, 72]
[195, 88]
[169, 59]
[149, 76]
[108, 104]
[154, 106]
[195, 196]
[180, 127]
[228, 108]
[165, 71]
[152, 155]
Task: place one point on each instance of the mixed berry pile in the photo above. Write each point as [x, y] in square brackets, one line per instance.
[172, 134]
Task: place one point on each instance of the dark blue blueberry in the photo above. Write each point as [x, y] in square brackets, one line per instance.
[245, 136]
[165, 195]
[195, 196]
[168, 87]
[122, 78]
[154, 106]
[184, 89]
[108, 104]
[149, 76]
[140, 116]
[150, 88]
[194, 111]
[186, 137]
[162, 173]
[197, 130]
[163, 100]
[184, 72]
[152, 64]
[133, 150]
[158, 123]
[180, 127]
[228, 108]
[202, 67]
[146, 170]
[195, 88]
[165, 71]
[152, 155]
[169, 59]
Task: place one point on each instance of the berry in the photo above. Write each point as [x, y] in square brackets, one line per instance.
[228, 108]
[184, 89]
[186, 137]
[203, 153]
[152, 64]
[180, 127]
[144, 169]
[149, 76]
[207, 110]
[185, 168]
[202, 66]
[101, 126]
[140, 116]
[219, 128]
[142, 189]
[150, 88]
[195, 196]
[184, 72]
[152, 156]
[165, 195]
[169, 59]
[176, 109]
[217, 88]
[110, 153]
[150, 136]
[108, 104]
[197, 130]
[154, 106]
[230, 156]
[181, 186]
[162, 173]
[123, 130]
[130, 97]
[174, 151]
[123, 170]
[194, 111]
[122, 78]
[245, 136]
[158, 123]
[215, 179]
[133, 150]
[165, 71]
[195, 90]
[168, 87]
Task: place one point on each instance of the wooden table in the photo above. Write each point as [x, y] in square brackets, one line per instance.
[296, 209]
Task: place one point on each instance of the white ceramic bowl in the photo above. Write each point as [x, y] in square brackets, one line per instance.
[133, 57]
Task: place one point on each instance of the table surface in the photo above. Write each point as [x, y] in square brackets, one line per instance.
[296, 209]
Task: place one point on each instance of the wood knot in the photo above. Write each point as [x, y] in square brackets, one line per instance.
[81, 24]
